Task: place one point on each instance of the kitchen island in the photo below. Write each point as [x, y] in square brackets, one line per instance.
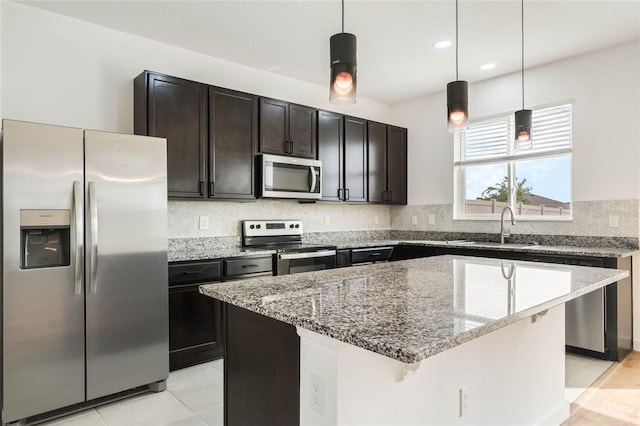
[439, 340]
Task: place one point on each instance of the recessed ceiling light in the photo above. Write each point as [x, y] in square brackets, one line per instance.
[486, 67]
[442, 44]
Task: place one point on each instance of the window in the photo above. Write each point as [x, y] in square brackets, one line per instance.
[533, 178]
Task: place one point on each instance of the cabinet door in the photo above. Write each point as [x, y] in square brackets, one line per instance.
[194, 326]
[377, 162]
[302, 130]
[355, 159]
[177, 110]
[330, 152]
[397, 164]
[274, 126]
[233, 140]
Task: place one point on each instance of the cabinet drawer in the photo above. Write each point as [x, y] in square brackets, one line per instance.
[196, 272]
[245, 266]
[367, 255]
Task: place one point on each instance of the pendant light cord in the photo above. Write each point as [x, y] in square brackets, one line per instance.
[342, 15]
[456, 40]
[522, 40]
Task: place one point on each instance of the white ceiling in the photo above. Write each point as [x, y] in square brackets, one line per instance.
[396, 60]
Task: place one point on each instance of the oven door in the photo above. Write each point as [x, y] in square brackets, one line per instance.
[293, 263]
[290, 177]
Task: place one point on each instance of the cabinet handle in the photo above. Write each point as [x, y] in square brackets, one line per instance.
[346, 192]
[339, 193]
[384, 196]
[290, 147]
[211, 187]
[375, 254]
[201, 187]
[250, 266]
[191, 272]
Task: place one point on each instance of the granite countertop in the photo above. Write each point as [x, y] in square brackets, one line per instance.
[413, 309]
[214, 253]
[529, 248]
[186, 254]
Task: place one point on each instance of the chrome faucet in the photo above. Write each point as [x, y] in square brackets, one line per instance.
[506, 233]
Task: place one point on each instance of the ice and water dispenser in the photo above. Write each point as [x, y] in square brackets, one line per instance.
[44, 238]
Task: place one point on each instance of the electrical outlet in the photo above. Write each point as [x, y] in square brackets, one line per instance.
[376, 220]
[464, 401]
[431, 219]
[317, 393]
[613, 221]
[414, 220]
[203, 222]
[326, 221]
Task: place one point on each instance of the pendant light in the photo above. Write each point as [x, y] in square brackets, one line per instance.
[457, 96]
[342, 89]
[524, 116]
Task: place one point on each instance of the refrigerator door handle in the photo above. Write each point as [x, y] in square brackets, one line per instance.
[93, 213]
[77, 210]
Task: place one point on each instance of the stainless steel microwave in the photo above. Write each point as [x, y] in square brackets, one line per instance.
[290, 177]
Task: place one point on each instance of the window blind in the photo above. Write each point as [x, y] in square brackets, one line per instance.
[493, 139]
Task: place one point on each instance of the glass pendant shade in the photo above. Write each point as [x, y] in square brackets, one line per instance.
[457, 105]
[342, 89]
[523, 125]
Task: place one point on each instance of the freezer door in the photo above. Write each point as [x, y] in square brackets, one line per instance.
[42, 303]
[126, 251]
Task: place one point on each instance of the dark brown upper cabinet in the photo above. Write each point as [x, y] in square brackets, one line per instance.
[387, 161]
[175, 109]
[355, 159]
[212, 135]
[331, 153]
[287, 129]
[377, 162]
[396, 165]
[342, 148]
[233, 143]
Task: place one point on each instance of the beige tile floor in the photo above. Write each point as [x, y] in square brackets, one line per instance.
[194, 398]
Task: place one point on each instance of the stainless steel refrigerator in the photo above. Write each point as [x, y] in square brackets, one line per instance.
[84, 267]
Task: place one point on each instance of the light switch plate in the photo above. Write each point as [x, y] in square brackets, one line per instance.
[613, 221]
[414, 220]
[431, 219]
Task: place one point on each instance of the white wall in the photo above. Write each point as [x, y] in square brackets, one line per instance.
[60, 70]
[606, 143]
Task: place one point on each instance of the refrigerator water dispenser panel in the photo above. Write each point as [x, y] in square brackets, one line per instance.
[44, 238]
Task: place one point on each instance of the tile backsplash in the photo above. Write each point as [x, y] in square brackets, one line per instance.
[591, 218]
[225, 217]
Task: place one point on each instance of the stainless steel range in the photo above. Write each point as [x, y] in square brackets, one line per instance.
[285, 236]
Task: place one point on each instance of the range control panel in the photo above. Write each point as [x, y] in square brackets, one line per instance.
[271, 228]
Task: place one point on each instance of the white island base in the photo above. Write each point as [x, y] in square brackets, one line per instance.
[511, 376]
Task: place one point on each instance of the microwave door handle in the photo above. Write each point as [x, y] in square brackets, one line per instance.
[313, 179]
[77, 211]
[93, 213]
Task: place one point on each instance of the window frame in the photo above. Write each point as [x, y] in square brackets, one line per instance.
[511, 160]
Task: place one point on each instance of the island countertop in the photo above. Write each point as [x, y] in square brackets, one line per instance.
[413, 309]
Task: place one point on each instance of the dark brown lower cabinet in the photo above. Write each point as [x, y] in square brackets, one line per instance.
[194, 327]
[261, 370]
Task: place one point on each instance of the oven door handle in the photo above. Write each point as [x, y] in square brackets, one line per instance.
[307, 255]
